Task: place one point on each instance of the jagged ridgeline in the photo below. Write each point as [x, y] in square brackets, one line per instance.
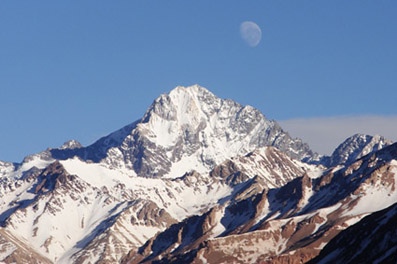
[189, 122]
[198, 179]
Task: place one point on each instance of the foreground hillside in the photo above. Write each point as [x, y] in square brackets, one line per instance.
[197, 179]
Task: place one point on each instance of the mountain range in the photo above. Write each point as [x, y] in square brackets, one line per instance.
[200, 179]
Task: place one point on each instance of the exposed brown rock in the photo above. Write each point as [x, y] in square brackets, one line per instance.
[21, 251]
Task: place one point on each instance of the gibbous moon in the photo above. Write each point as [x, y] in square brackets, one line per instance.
[251, 33]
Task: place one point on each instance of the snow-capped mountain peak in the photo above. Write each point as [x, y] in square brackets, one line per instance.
[356, 147]
[192, 127]
[71, 144]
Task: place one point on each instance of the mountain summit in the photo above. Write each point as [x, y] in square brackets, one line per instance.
[189, 129]
[356, 147]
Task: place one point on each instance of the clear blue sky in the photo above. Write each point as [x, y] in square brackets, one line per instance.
[82, 69]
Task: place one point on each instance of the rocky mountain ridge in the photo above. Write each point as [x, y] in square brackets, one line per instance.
[188, 123]
[195, 177]
[285, 224]
[356, 147]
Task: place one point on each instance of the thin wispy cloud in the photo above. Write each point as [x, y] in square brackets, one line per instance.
[325, 134]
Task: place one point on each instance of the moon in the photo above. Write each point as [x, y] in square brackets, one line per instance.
[251, 33]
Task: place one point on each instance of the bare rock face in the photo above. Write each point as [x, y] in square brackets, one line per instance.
[54, 176]
[150, 214]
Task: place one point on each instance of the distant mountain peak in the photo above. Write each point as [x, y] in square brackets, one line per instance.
[356, 147]
[71, 144]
